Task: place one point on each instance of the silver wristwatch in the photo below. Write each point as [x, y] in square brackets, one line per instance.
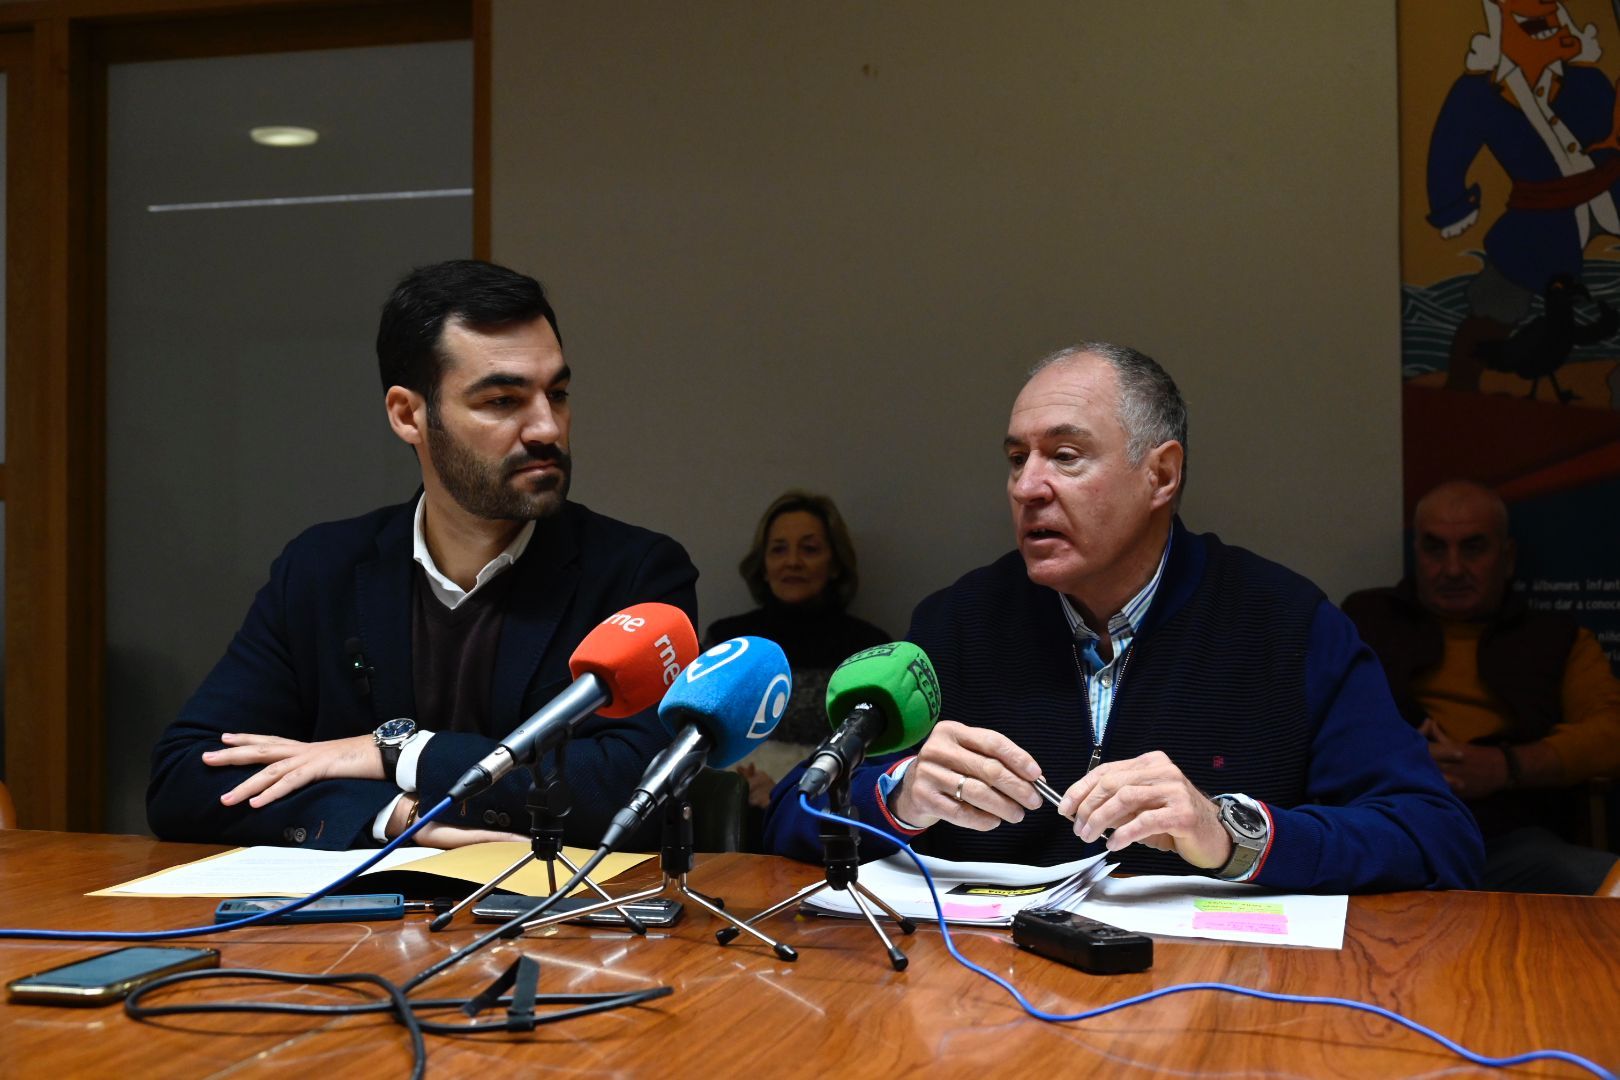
[391, 737]
[1249, 830]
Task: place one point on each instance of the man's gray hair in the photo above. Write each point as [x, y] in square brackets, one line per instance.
[1151, 409]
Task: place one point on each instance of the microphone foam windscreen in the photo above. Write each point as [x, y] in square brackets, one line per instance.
[897, 678]
[736, 691]
[638, 652]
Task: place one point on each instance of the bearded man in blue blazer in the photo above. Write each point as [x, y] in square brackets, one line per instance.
[389, 652]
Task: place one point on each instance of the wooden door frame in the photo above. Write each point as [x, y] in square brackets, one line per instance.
[54, 476]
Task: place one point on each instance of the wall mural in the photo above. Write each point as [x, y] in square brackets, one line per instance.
[1510, 295]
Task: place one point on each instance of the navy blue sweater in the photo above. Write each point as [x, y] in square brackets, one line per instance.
[344, 589]
[1356, 803]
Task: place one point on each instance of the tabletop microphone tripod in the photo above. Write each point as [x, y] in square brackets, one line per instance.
[676, 862]
[840, 854]
[550, 799]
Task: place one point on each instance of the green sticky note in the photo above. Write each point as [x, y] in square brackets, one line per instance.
[1261, 907]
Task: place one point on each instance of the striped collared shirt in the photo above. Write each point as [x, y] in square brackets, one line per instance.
[1102, 679]
[1100, 684]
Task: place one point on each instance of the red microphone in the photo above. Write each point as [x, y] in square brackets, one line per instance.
[623, 666]
[636, 653]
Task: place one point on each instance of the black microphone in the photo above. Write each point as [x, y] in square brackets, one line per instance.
[532, 738]
[843, 751]
[668, 776]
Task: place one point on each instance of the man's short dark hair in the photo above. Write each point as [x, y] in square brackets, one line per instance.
[477, 294]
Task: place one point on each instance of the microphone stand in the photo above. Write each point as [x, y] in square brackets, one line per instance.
[677, 860]
[550, 799]
[840, 854]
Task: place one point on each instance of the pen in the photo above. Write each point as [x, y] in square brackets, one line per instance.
[1047, 792]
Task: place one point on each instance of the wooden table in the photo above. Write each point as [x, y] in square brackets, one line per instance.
[1500, 973]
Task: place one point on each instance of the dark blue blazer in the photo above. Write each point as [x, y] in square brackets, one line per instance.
[289, 671]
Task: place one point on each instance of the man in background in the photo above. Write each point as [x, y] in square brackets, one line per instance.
[1519, 707]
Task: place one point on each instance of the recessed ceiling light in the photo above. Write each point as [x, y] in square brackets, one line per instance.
[283, 135]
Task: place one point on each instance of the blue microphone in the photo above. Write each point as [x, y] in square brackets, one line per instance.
[724, 704]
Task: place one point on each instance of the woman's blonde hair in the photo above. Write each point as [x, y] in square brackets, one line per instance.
[843, 580]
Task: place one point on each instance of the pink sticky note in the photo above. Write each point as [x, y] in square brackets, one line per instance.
[973, 912]
[1250, 922]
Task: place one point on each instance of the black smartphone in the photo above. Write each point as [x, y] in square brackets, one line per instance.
[659, 911]
[110, 976]
[327, 909]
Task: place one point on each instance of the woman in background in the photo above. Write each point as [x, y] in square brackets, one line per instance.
[801, 571]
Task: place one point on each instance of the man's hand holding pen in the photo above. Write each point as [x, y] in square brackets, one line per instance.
[972, 777]
[977, 778]
[1147, 800]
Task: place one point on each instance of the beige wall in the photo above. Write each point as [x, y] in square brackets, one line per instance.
[816, 244]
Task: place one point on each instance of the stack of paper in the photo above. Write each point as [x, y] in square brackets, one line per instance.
[974, 894]
[990, 894]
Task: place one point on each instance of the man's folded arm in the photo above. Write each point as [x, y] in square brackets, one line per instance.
[253, 688]
[1378, 816]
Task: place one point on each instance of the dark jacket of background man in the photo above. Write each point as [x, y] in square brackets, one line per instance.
[1520, 706]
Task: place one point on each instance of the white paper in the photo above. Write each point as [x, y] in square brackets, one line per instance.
[1222, 910]
[1169, 906]
[972, 894]
[261, 871]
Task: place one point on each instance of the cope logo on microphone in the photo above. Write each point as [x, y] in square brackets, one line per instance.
[716, 658]
[771, 707]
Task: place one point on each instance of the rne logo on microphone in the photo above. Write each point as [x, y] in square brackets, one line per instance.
[774, 702]
[629, 623]
[666, 655]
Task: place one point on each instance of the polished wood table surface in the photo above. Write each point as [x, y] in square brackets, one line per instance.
[1500, 973]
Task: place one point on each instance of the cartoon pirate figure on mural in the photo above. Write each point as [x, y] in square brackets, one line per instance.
[1533, 98]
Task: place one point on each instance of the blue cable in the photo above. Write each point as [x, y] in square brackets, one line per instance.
[1266, 995]
[236, 924]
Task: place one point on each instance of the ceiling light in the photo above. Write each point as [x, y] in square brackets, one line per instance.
[283, 135]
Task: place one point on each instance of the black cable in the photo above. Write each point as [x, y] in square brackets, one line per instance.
[506, 928]
[402, 1008]
[610, 1002]
[397, 1004]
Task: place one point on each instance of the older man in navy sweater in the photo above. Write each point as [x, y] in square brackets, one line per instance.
[1201, 709]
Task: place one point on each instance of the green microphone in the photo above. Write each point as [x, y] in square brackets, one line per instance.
[880, 700]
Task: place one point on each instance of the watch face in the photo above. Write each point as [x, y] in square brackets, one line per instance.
[1244, 818]
[396, 730]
